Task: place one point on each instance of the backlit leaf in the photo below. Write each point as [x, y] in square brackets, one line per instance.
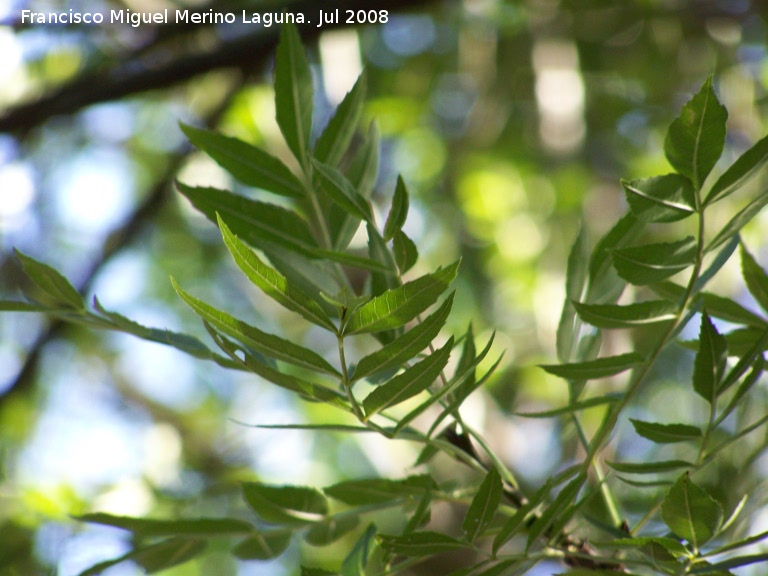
[272, 282]
[665, 433]
[412, 381]
[333, 143]
[600, 368]
[263, 546]
[419, 543]
[710, 361]
[627, 316]
[250, 165]
[651, 263]
[661, 199]
[396, 307]
[745, 167]
[289, 505]
[293, 92]
[398, 212]
[483, 507]
[691, 513]
[695, 138]
[56, 289]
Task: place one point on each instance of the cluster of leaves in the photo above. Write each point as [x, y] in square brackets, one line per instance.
[303, 264]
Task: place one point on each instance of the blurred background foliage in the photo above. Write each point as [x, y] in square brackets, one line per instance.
[511, 120]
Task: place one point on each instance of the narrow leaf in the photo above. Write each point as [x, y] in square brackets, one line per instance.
[719, 568]
[666, 433]
[629, 316]
[731, 230]
[649, 467]
[419, 543]
[168, 553]
[272, 282]
[691, 513]
[412, 381]
[396, 307]
[710, 361]
[483, 507]
[575, 280]
[341, 191]
[574, 407]
[406, 346]
[745, 167]
[289, 505]
[406, 253]
[695, 138]
[330, 531]
[262, 546]
[146, 527]
[591, 369]
[247, 163]
[665, 198]
[335, 139]
[605, 286]
[398, 212]
[379, 490]
[562, 501]
[651, 263]
[755, 278]
[356, 561]
[293, 92]
[56, 288]
[269, 344]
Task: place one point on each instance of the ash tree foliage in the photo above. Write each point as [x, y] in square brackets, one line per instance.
[296, 251]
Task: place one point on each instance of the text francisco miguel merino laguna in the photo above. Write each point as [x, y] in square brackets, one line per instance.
[166, 16]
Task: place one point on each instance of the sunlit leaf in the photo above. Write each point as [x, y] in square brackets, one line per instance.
[695, 138]
[293, 92]
[710, 361]
[599, 368]
[269, 344]
[755, 278]
[250, 165]
[691, 513]
[419, 543]
[396, 307]
[406, 346]
[263, 546]
[651, 263]
[398, 212]
[329, 532]
[333, 143]
[661, 199]
[56, 289]
[745, 167]
[483, 507]
[187, 527]
[379, 490]
[412, 381]
[626, 316]
[666, 433]
[289, 505]
[272, 282]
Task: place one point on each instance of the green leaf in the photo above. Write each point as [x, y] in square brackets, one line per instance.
[365, 165]
[629, 316]
[269, 344]
[412, 381]
[719, 567]
[574, 407]
[691, 513]
[55, 287]
[272, 282]
[15, 306]
[263, 546]
[406, 346]
[146, 527]
[330, 531]
[731, 230]
[731, 311]
[356, 561]
[405, 251]
[755, 278]
[605, 286]
[293, 92]
[710, 361]
[168, 553]
[380, 490]
[649, 467]
[575, 281]
[484, 505]
[250, 165]
[666, 433]
[398, 212]
[380, 253]
[665, 198]
[424, 543]
[286, 505]
[335, 139]
[316, 572]
[695, 138]
[651, 263]
[591, 369]
[558, 506]
[400, 305]
[341, 191]
[745, 167]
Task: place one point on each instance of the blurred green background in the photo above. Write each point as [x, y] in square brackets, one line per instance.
[511, 121]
